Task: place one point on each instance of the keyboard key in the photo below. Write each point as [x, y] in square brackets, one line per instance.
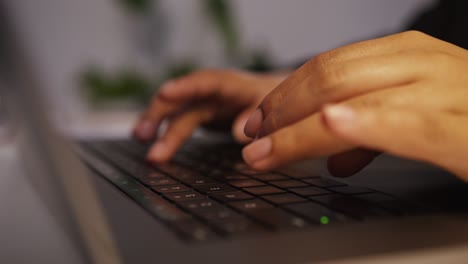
[270, 177]
[177, 171]
[210, 210]
[284, 198]
[201, 205]
[299, 174]
[240, 166]
[317, 213]
[351, 206]
[132, 147]
[251, 205]
[246, 183]
[160, 181]
[184, 196]
[245, 169]
[160, 207]
[170, 188]
[231, 177]
[194, 230]
[263, 190]
[249, 172]
[232, 196]
[350, 190]
[278, 219]
[309, 191]
[156, 175]
[197, 180]
[213, 188]
[320, 182]
[288, 184]
[218, 171]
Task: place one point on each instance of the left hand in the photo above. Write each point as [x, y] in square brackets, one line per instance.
[406, 94]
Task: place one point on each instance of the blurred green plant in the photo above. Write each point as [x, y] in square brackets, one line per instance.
[137, 6]
[127, 84]
[222, 18]
[100, 87]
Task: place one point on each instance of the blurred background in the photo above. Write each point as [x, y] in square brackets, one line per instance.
[101, 60]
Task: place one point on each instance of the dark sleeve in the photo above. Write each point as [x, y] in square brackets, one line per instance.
[446, 20]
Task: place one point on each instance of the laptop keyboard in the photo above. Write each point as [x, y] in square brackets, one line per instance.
[208, 192]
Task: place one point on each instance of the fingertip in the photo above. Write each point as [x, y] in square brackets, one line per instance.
[145, 130]
[168, 89]
[158, 153]
[256, 153]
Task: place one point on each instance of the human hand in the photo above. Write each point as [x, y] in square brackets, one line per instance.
[204, 97]
[405, 94]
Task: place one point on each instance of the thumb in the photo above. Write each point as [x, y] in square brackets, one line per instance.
[434, 137]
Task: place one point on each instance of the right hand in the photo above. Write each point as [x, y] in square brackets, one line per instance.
[201, 98]
[403, 94]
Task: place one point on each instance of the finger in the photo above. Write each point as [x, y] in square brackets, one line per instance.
[179, 130]
[305, 139]
[197, 85]
[172, 96]
[208, 84]
[340, 82]
[147, 126]
[239, 124]
[436, 137]
[351, 162]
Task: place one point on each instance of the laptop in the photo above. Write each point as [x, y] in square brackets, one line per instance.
[208, 206]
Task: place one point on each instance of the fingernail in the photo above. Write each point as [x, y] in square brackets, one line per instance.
[339, 114]
[157, 152]
[167, 88]
[254, 123]
[145, 130]
[258, 150]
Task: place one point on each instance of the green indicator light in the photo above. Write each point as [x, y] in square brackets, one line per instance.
[324, 220]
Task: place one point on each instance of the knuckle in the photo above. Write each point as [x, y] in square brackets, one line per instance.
[413, 34]
[431, 130]
[272, 101]
[442, 58]
[328, 73]
[321, 63]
